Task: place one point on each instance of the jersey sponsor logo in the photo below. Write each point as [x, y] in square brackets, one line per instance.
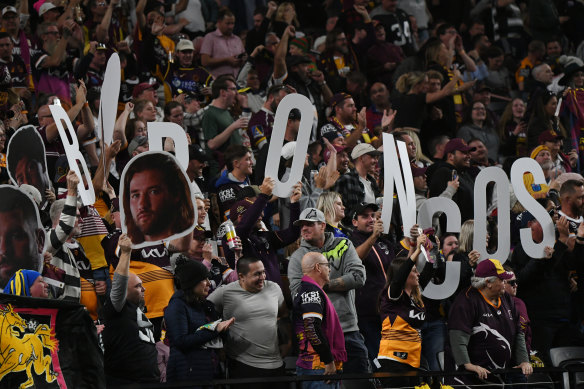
[487, 315]
[226, 195]
[154, 252]
[417, 315]
[257, 131]
[400, 355]
[310, 298]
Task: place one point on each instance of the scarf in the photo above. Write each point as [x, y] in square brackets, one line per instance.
[331, 327]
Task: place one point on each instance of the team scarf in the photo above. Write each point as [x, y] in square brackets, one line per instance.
[20, 283]
[332, 326]
[457, 97]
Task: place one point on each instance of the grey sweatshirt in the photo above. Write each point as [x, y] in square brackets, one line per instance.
[345, 263]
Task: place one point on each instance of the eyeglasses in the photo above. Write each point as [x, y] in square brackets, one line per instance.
[324, 263]
[513, 283]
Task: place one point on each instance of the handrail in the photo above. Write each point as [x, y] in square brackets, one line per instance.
[572, 370]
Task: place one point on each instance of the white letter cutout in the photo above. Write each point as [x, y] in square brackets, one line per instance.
[294, 100]
[528, 165]
[108, 107]
[406, 196]
[159, 130]
[73, 154]
[498, 176]
[425, 215]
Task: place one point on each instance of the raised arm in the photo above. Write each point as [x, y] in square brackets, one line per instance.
[122, 274]
[399, 280]
[280, 53]
[60, 233]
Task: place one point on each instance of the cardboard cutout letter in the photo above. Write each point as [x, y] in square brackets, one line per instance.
[427, 211]
[486, 176]
[406, 196]
[448, 287]
[294, 100]
[74, 157]
[110, 90]
[519, 168]
[435, 205]
[158, 131]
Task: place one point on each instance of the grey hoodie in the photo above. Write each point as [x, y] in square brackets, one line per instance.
[345, 263]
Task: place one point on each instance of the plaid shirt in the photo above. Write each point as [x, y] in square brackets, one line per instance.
[192, 122]
[352, 191]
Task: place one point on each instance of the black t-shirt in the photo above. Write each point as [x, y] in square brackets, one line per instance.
[411, 109]
[130, 350]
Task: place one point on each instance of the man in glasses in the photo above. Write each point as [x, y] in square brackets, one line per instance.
[219, 128]
[320, 339]
[347, 274]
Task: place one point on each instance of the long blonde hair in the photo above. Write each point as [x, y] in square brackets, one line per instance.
[326, 204]
[419, 154]
[407, 81]
[466, 236]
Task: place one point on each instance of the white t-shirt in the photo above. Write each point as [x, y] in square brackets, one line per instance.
[369, 195]
[194, 15]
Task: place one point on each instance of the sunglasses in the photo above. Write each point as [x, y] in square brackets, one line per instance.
[513, 283]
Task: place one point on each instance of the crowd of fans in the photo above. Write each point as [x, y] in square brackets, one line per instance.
[465, 84]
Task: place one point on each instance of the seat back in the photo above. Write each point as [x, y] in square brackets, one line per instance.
[565, 356]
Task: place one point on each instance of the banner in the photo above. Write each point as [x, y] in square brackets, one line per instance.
[48, 344]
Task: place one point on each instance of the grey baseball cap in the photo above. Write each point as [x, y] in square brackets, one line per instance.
[310, 215]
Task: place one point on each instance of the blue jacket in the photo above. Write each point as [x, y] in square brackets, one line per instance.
[188, 361]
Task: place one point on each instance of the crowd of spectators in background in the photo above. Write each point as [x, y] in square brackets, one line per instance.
[465, 84]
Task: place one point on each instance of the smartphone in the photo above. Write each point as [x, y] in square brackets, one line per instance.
[454, 175]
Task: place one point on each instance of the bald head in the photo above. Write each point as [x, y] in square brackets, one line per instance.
[135, 290]
[316, 266]
[309, 261]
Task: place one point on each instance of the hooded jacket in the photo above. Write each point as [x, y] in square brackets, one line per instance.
[345, 263]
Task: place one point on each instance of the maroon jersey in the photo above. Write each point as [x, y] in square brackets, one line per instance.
[18, 72]
[492, 329]
[259, 128]
[191, 79]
